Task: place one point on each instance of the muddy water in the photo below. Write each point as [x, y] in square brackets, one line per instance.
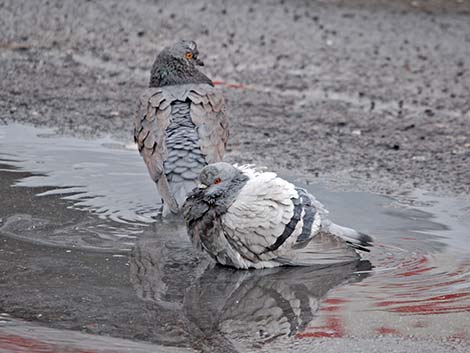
[81, 249]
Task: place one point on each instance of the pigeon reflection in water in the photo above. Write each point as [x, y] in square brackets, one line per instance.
[161, 270]
[211, 307]
[257, 307]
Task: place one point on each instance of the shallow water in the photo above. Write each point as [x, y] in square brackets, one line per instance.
[93, 199]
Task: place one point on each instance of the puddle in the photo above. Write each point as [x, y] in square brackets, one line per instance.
[76, 222]
[101, 176]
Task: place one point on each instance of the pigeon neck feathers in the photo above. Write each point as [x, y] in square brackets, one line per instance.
[168, 70]
[221, 200]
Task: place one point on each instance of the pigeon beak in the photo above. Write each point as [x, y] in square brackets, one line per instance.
[202, 186]
[199, 62]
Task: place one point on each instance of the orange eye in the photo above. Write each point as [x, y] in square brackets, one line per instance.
[217, 181]
[189, 55]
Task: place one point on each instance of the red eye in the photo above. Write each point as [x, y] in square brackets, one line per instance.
[189, 55]
[217, 181]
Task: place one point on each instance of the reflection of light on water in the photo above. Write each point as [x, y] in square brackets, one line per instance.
[411, 295]
[100, 175]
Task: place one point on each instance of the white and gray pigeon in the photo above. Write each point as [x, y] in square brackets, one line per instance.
[246, 218]
[247, 309]
[180, 125]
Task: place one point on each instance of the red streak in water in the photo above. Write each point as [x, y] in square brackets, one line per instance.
[18, 344]
[387, 331]
[414, 272]
[330, 308]
[448, 298]
[335, 301]
[333, 328]
[431, 308]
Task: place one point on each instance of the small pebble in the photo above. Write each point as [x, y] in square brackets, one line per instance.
[419, 158]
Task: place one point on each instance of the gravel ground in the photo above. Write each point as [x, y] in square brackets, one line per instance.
[374, 93]
[377, 345]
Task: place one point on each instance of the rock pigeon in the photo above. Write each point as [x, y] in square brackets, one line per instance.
[246, 218]
[180, 125]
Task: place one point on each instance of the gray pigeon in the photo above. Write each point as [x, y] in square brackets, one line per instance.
[180, 125]
[246, 309]
[245, 218]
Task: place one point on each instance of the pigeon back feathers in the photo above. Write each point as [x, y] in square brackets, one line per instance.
[178, 130]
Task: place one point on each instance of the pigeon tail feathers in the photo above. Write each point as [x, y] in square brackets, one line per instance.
[357, 240]
[324, 249]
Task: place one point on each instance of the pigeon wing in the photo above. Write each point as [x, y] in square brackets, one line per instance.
[273, 221]
[150, 123]
[208, 114]
[257, 220]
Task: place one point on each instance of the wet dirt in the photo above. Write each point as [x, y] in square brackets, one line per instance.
[83, 256]
[372, 92]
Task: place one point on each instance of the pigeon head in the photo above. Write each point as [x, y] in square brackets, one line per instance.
[185, 50]
[177, 64]
[221, 179]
